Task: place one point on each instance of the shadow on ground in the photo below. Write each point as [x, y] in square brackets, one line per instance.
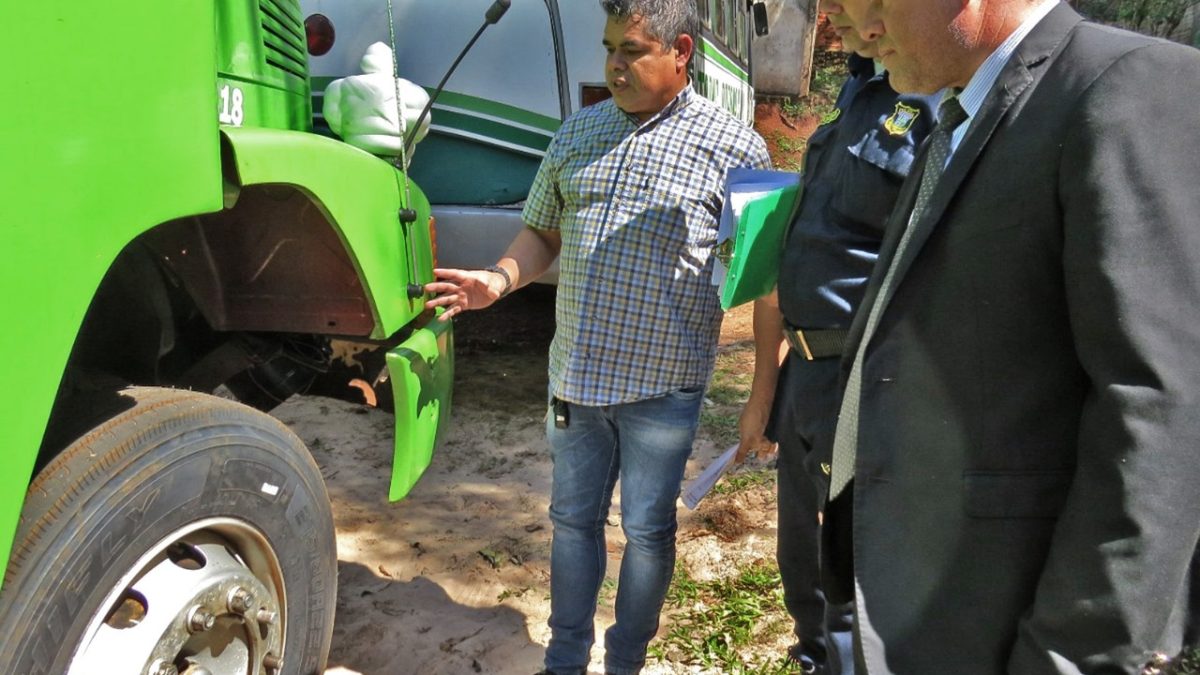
[452, 578]
[419, 612]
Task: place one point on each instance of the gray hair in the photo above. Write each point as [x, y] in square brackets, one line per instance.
[664, 20]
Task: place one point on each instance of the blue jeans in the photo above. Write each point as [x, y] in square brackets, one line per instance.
[646, 444]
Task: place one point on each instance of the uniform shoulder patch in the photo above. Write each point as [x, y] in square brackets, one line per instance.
[831, 116]
[901, 120]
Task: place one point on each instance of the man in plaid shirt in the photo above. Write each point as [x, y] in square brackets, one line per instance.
[628, 197]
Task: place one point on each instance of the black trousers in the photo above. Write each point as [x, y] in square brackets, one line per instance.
[803, 421]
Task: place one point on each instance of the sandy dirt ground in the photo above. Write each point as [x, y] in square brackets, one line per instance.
[455, 578]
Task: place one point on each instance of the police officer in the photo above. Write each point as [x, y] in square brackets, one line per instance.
[854, 165]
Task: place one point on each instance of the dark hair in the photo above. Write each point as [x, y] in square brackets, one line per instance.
[664, 20]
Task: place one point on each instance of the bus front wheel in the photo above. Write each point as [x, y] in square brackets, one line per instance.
[184, 533]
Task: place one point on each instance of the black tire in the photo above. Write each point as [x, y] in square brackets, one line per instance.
[173, 462]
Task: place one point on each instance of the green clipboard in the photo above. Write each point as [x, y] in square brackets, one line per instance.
[759, 205]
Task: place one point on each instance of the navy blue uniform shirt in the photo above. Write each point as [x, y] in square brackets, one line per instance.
[853, 168]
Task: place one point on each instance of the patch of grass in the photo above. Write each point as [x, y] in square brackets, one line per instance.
[787, 144]
[740, 481]
[790, 164]
[787, 152]
[722, 427]
[717, 624]
[732, 375]
[827, 80]
[727, 393]
[1187, 663]
[608, 591]
[829, 72]
[731, 390]
[791, 145]
[794, 107]
[683, 590]
[512, 593]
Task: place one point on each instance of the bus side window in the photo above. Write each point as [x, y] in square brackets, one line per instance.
[742, 26]
[719, 14]
[731, 37]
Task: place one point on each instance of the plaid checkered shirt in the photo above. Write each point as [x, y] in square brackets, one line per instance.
[637, 206]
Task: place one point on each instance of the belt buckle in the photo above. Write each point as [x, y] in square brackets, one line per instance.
[795, 338]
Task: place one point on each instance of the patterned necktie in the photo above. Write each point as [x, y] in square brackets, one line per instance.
[845, 440]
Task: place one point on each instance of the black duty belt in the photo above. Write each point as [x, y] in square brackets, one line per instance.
[816, 344]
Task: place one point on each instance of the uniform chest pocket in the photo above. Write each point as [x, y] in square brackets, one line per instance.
[870, 173]
[893, 154]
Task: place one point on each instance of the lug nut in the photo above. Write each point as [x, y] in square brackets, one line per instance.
[200, 620]
[266, 616]
[240, 600]
[272, 662]
[164, 668]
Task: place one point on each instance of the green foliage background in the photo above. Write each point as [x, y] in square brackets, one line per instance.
[1161, 18]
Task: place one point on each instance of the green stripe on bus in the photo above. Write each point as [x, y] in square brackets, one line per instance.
[494, 130]
[496, 109]
[477, 105]
[715, 54]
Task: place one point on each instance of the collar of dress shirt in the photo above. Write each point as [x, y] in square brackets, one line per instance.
[681, 101]
[972, 96]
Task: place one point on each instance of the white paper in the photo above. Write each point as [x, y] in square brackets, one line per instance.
[720, 271]
[700, 486]
[743, 185]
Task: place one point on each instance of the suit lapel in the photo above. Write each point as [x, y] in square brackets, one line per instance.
[1024, 68]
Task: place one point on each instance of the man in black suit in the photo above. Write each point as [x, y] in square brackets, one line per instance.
[1015, 471]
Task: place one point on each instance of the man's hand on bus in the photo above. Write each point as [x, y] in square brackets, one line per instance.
[461, 290]
[528, 256]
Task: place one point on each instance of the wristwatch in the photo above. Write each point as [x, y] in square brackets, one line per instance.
[503, 273]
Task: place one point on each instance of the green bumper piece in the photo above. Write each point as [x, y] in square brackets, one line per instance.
[422, 373]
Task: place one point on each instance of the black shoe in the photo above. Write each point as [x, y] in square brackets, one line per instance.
[807, 666]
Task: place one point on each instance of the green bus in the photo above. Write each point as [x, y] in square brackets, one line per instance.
[170, 225]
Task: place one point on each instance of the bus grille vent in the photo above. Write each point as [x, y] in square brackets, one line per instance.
[283, 36]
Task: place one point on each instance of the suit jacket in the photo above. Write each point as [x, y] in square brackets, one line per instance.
[1025, 497]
